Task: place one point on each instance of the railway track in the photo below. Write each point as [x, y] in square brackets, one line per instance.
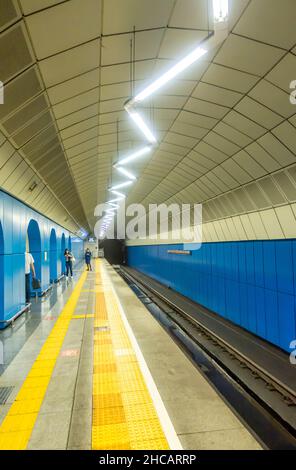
[270, 397]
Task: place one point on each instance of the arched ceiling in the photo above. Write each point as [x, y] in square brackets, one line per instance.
[226, 128]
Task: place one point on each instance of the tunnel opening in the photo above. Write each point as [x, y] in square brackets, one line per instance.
[63, 247]
[53, 256]
[70, 243]
[34, 247]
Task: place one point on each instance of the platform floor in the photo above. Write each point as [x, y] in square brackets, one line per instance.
[90, 368]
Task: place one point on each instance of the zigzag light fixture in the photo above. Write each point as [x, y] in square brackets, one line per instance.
[220, 33]
[220, 14]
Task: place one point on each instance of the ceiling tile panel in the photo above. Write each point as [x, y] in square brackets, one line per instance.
[269, 21]
[248, 56]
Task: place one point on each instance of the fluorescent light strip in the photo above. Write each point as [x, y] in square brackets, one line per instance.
[126, 173]
[170, 74]
[121, 185]
[139, 121]
[220, 8]
[117, 199]
[117, 193]
[220, 12]
[133, 156]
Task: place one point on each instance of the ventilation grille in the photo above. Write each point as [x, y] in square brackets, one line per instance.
[20, 90]
[14, 53]
[25, 114]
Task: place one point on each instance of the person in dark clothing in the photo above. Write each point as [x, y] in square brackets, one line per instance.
[29, 267]
[69, 262]
[87, 257]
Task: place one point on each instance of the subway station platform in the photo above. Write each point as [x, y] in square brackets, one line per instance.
[89, 368]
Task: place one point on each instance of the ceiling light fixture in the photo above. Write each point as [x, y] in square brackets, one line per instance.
[126, 173]
[117, 193]
[220, 8]
[117, 199]
[170, 74]
[139, 121]
[220, 33]
[134, 156]
[121, 185]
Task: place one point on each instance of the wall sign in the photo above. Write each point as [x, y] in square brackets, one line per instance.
[179, 252]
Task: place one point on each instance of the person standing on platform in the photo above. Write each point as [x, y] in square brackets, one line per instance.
[87, 257]
[69, 258]
[29, 266]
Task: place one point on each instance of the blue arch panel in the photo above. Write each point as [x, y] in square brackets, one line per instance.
[1, 272]
[17, 222]
[53, 256]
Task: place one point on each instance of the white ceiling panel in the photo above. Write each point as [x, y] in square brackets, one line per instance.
[75, 104]
[283, 73]
[258, 113]
[269, 21]
[182, 140]
[244, 125]
[120, 90]
[73, 23]
[31, 6]
[73, 87]
[263, 157]
[286, 133]
[205, 108]
[204, 122]
[247, 163]
[248, 56]
[211, 152]
[190, 14]
[216, 94]
[79, 138]
[273, 98]
[221, 144]
[229, 78]
[122, 73]
[139, 13]
[116, 49]
[171, 102]
[71, 63]
[74, 118]
[190, 131]
[277, 149]
[177, 43]
[80, 127]
[232, 134]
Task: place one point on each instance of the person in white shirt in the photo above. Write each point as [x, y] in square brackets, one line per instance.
[29, 266]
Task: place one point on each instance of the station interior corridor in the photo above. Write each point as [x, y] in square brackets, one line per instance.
[83, 381]
[148, 229]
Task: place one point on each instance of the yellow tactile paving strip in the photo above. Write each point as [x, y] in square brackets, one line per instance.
[124, 416]
[17, 426]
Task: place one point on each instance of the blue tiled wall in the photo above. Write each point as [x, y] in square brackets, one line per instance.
[14, 221]
[252, 284]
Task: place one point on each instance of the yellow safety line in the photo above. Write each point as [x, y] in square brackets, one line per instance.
[17, 427]
[124, 416]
